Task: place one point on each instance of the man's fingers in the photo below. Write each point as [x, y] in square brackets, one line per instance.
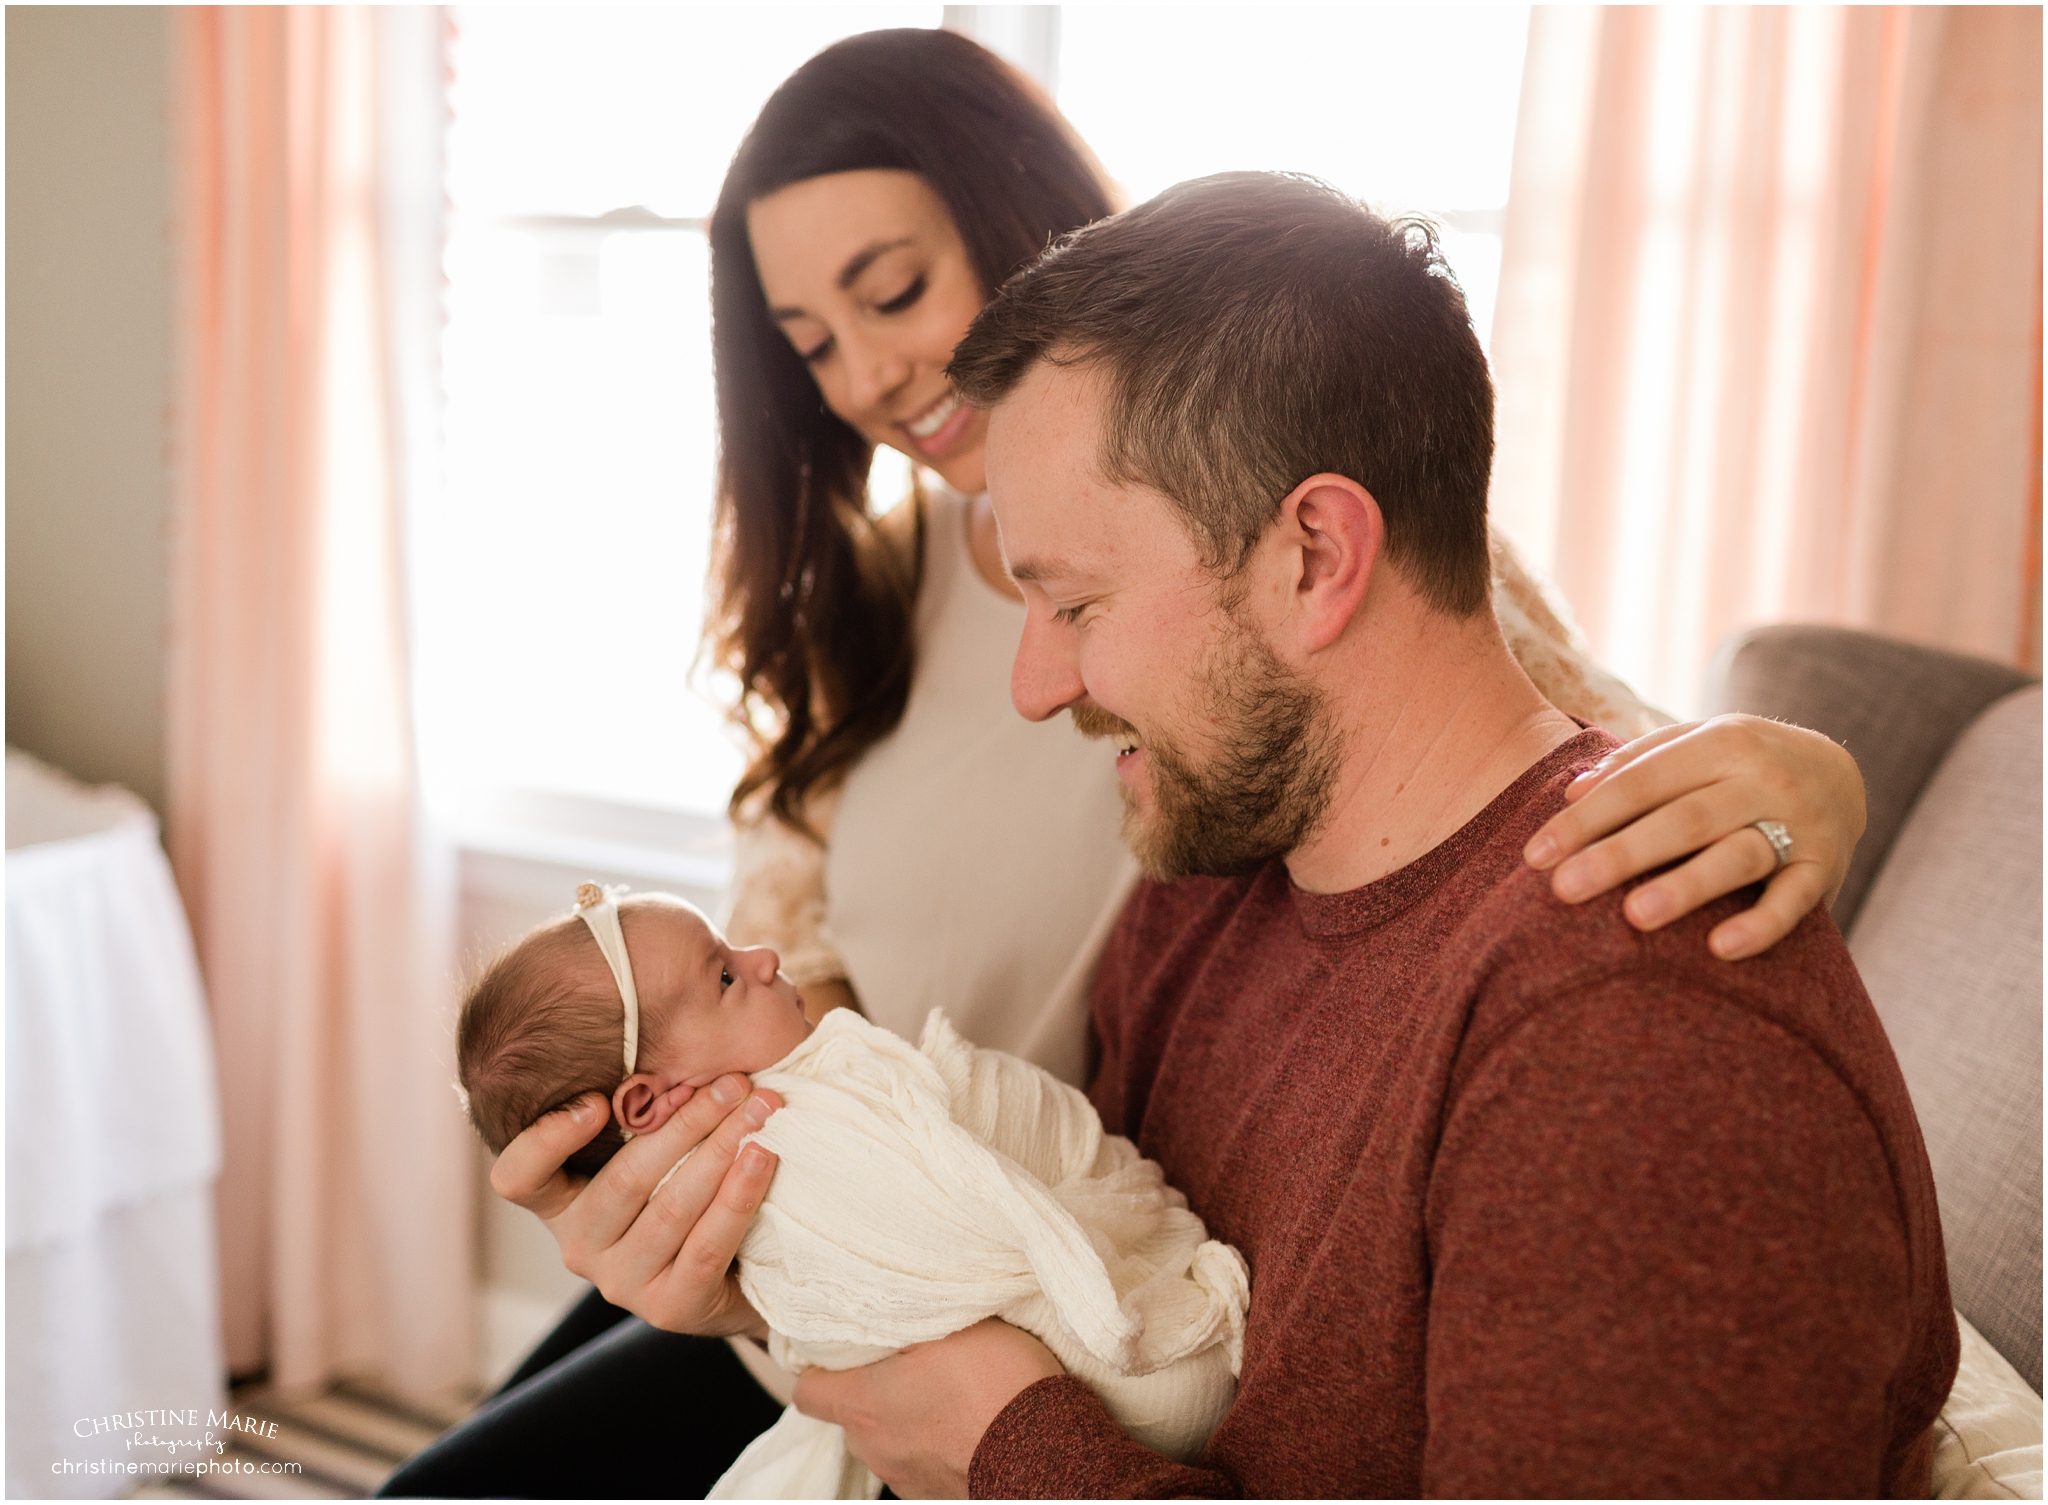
[529, 1172]
[686, 1165]
[1733, 862]
[685, 1239]
[715, 1234]
[658, 1227]
[1786, 901]
[821, 1393]
[611, 1204]
[1621, 757]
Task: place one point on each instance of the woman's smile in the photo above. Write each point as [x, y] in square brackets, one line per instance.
[866, 275]
[935, 431]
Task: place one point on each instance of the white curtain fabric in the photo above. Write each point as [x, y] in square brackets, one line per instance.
[1768, 335]
[322, 908]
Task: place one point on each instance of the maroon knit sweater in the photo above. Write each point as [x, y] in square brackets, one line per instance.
[1534, 1204]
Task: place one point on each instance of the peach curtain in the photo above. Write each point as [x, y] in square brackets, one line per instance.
[1768, 335]
[321, 908]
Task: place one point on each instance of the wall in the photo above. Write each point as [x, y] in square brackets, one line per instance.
[89, 379]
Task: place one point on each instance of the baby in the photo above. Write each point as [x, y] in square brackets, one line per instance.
[544, 1026]
[919, 1189]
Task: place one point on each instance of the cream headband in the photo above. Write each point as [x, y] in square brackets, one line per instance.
[599, 909]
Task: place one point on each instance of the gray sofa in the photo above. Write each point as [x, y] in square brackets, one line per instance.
[1942, 910]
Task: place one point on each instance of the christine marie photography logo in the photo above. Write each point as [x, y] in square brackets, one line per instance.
[191, 1442]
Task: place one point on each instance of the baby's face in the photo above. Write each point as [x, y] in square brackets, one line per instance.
[722, 1009]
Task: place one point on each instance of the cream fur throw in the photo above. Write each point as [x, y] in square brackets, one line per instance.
[922, 1190]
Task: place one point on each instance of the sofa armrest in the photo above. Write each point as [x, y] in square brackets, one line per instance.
[1896, 706]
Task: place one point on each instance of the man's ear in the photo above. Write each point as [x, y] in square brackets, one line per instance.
[644, 1102]
[1339, 531]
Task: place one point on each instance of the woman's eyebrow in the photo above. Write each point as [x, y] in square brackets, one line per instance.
[857, 263]
[862, 259]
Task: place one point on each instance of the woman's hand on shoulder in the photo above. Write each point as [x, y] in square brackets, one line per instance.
[1699, 789]
[655, 1233]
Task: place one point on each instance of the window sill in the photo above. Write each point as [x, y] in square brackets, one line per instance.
[530, 850]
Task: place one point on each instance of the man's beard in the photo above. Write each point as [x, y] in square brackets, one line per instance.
[1262, 792]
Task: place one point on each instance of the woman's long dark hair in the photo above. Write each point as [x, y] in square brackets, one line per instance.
[811, 611]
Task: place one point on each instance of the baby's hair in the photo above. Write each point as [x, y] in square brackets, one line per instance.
[543, 1026]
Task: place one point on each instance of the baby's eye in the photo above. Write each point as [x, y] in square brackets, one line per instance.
[725, 977]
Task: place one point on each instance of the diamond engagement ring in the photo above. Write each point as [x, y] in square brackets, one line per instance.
[1780, 839]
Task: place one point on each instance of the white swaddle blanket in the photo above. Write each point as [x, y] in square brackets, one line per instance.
[922, 1190]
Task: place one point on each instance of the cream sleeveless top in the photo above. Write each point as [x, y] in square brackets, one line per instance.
[972, 860]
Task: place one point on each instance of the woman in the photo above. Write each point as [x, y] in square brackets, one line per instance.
[905, 838]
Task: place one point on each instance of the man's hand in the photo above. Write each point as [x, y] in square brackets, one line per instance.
[654, 1233]
[916, 1418]
[1697, 790]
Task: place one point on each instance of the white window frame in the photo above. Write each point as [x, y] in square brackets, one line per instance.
[527, 847]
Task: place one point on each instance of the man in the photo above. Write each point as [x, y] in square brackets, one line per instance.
[1534, 1203]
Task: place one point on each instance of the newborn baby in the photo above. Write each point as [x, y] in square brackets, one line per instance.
[920, 1190]
[561, 1014]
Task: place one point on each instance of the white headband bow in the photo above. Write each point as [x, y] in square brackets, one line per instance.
[598, 908]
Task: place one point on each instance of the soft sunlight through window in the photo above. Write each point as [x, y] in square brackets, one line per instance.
[1411, 108]
[562, 571]
[563, 588]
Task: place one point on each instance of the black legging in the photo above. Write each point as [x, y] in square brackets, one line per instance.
[606, 1406]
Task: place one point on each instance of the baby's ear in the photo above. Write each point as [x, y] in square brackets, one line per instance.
[644, 1102]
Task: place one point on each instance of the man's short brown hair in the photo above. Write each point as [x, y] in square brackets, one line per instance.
[1258, 329]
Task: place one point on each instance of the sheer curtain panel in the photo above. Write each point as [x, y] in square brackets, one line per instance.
[308, 142]
[1768, 337]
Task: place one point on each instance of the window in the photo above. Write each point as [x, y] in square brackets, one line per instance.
[1411, 108]
[563, 565]
[562, 569]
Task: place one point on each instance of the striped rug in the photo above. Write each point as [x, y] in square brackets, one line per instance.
[337, 1446]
